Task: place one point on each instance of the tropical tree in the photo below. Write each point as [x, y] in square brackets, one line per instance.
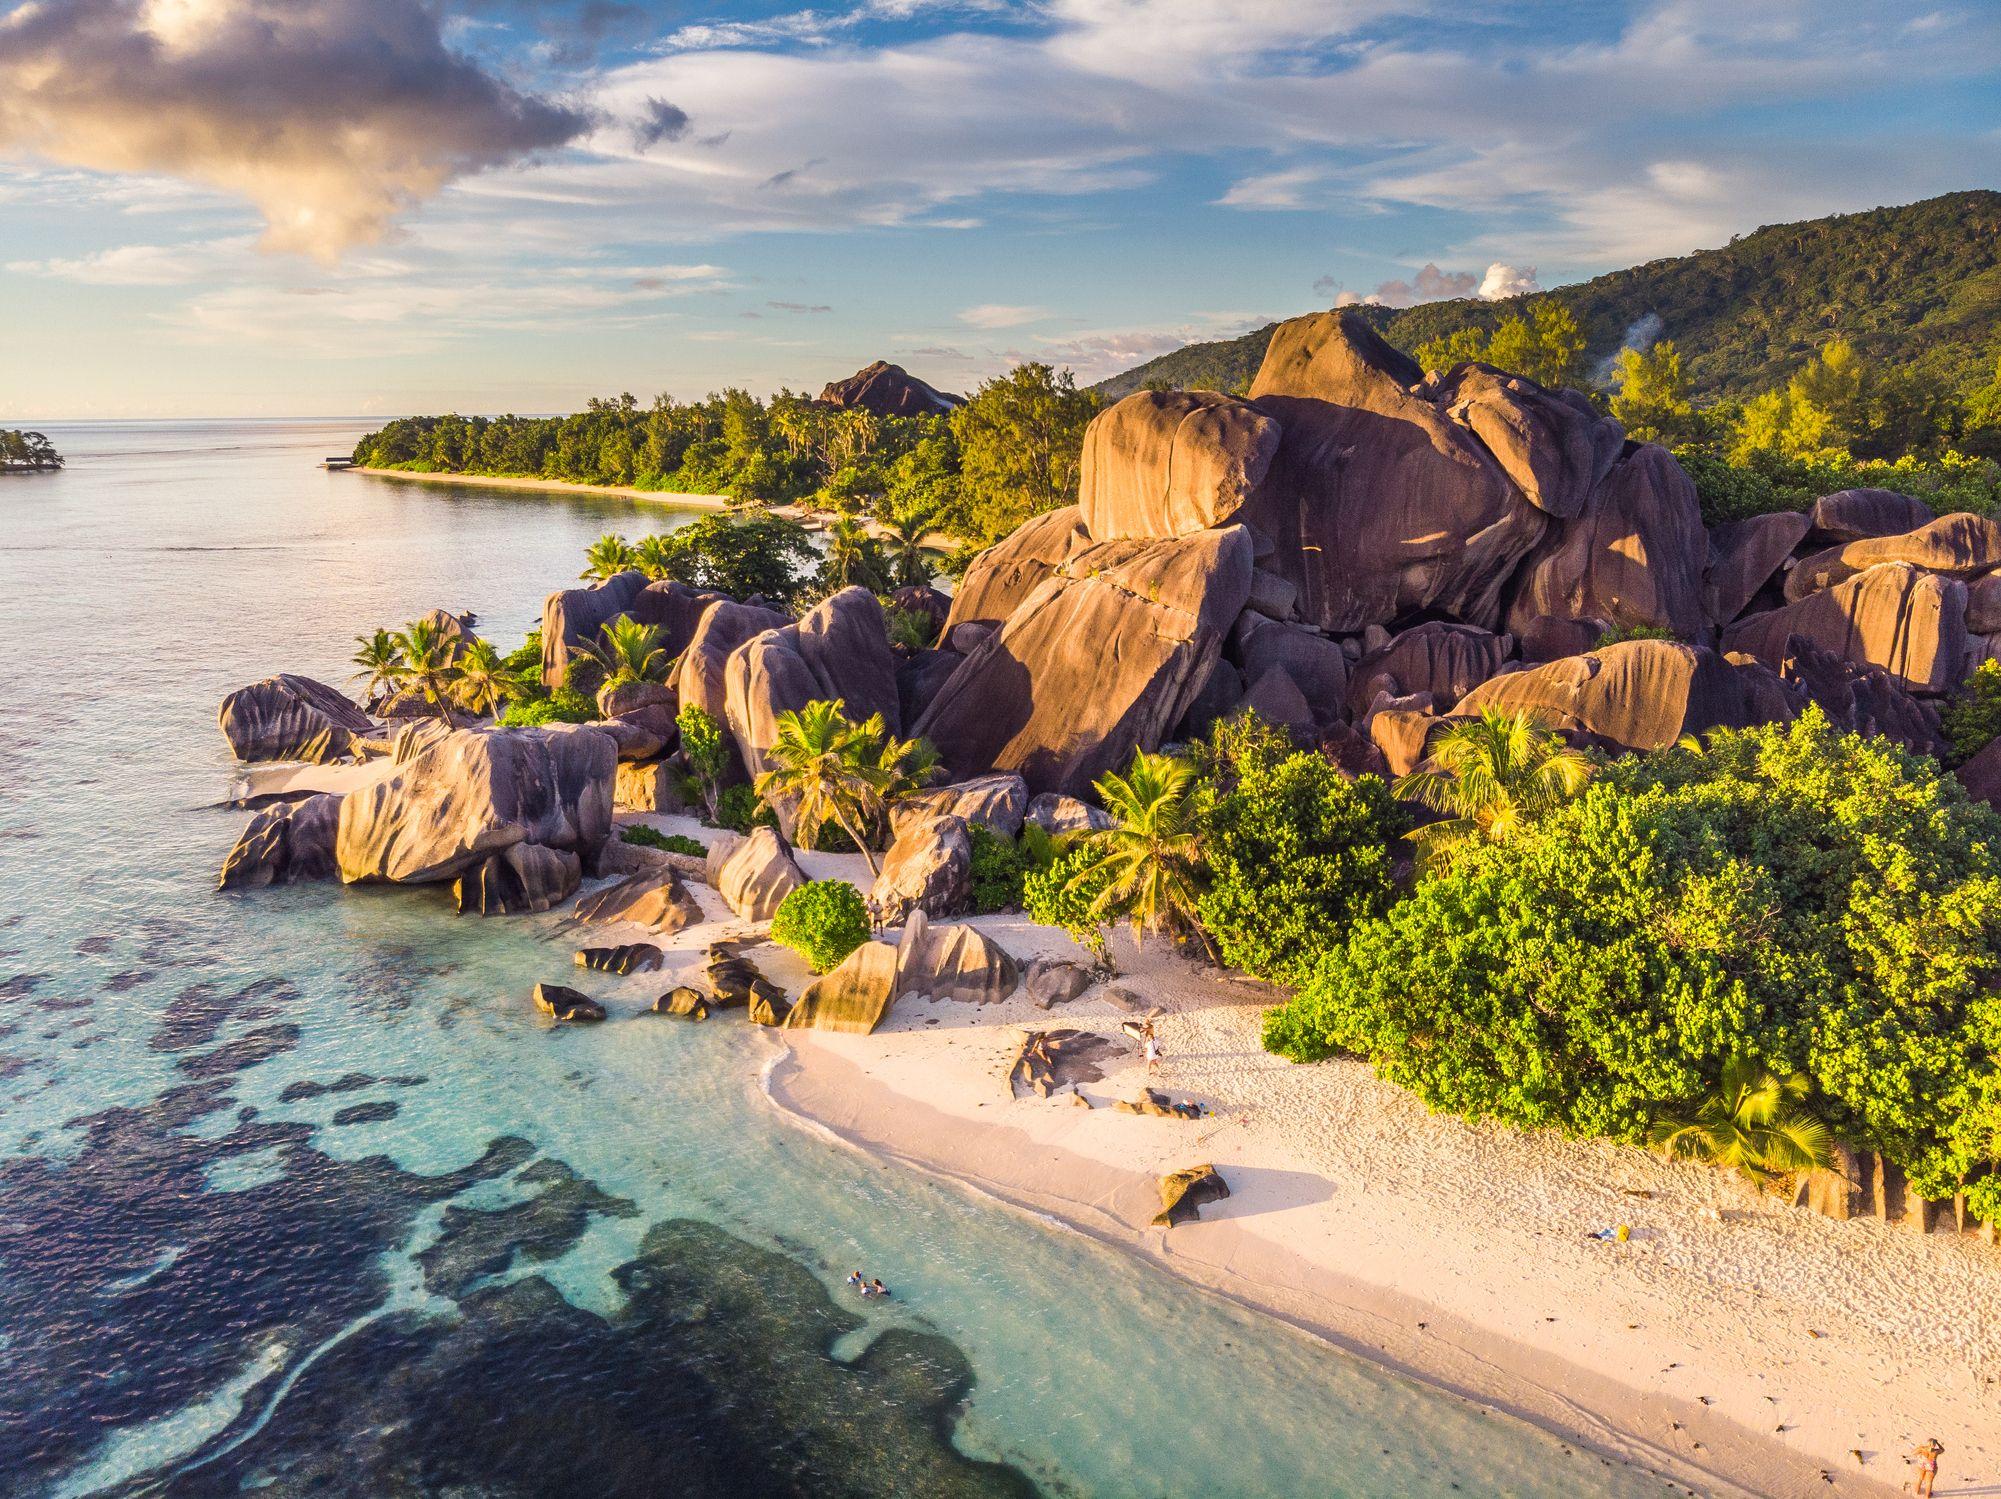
[903, 552]
[430, 663]
[707, 753]
[380, 658]
[608, 556]
[832, 770]
[654, 555]
[852, 558]
[1021, 441]
[1752, 1124]
[485, 680]
[628, 651]
[1147, 867]
[1490, 776]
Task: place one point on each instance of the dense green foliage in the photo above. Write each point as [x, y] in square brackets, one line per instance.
[1972, 719]
[564, 705]
[1296, 852]
[1915, 287]
[823, 921]
[26, 452]
[838, 774]
[671, 843]
[1825, 905]
[739, 810]
[998, 866]
[707, 754]
[1065, 895]
[742, 555]
[1006, 454]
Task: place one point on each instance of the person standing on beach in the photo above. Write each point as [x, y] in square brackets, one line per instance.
[1152, 1045]
[1927, 1455]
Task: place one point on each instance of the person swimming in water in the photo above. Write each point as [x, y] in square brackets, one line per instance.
[877, 1288]
[856, 1283]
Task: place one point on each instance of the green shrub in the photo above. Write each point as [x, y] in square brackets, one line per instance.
[823, 921]
[739, 810]
[997, 869]
[1058, 897]
[672, 843]
[1825, 904]
[1972, 719]
[1296, 854]
[564, 705]
[913, 629]
[1618, 634]
[525, 660]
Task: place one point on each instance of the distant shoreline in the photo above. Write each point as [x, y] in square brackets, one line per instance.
[560, 486]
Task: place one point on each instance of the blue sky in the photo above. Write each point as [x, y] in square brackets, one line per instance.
[297, 207]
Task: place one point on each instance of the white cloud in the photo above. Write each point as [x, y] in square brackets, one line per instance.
[146, 265]
[1268, 190]
[1507, 281]
[998, 315]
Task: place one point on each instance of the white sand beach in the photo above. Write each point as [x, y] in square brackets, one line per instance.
[1734, 1345]
[483, 481]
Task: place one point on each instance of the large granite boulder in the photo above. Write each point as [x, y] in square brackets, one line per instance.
[654, 899]
[1317, 666]
[1007, 572]
[1910, 623]
[1865, 699]
[1221, 692]
[1633, 555]
[290, 717]
[920, 676]
[1960, 546]
[284, 843]
[648, 786]
[889, 390]
[1056, 814]
[1854, 514]
[1550, 442]
[1051, 982]
[928, 868]
[1446, 660]
[1983, 605]
[753, 875]
[1636, 695]
[1170, 463]
[1183, 1192]
[1380, 503]
[853, 997]
[953, 962]
[1101, 659]
[572, 618]
[566, 1005]
[1743, 557]
[998, 802]
[463, 796]
[699, 681]
[520, 879]
[1276, 699]
[839, 651]
[676, 610]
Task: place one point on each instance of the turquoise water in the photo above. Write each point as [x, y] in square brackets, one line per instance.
[297, 1194]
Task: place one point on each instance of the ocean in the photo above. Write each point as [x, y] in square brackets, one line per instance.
[298, 1194]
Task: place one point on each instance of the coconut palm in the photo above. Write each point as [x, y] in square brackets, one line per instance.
[627, 651]
[1490, 776]
[654, 555]
[819, 765]
[608, 556]
[430, 663]
[1149, 862]
[903, 550]
[851, 557]
[484, 680]
[1751, 1124]
[380, 658]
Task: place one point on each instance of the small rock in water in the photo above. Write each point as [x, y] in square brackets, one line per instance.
[684, 1002]
[566, 1004]
[627, 957]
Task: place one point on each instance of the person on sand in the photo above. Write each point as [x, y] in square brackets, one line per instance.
[1927, 1455]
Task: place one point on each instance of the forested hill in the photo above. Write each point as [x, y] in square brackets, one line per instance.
[1918, 285]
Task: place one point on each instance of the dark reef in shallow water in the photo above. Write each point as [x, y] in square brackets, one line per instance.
[135, 1288]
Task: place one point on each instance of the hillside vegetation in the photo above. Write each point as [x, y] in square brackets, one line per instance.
[1917, 287]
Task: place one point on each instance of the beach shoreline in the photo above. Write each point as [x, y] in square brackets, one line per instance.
[1667, 1354]
[553, 486]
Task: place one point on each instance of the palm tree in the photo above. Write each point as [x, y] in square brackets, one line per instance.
[608, 556]
[851, 557]
[1751, 1124]
[484, 681]
[628, 651]
[1149, 862]
[836, 771]
[654, 555]
[902, 539]
[381, 661]
[430, 663]
[1490, 776]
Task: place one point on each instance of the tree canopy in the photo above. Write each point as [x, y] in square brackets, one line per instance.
[27, 452]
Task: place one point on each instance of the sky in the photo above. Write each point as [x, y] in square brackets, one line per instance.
[379, 207]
